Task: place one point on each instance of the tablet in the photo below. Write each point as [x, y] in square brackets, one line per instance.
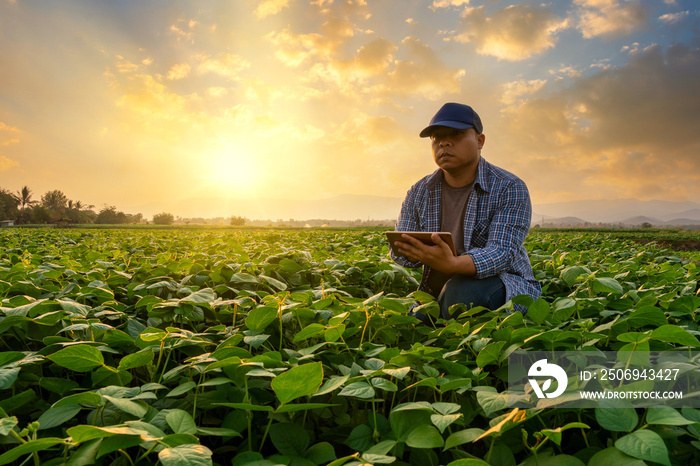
[424, 236]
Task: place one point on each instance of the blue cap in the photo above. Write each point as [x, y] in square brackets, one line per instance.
[457, 116]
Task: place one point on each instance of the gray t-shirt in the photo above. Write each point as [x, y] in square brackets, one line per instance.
[453, 205]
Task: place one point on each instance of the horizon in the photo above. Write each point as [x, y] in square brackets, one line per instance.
[131, 104]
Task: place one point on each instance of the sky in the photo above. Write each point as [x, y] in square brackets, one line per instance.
[145, 104]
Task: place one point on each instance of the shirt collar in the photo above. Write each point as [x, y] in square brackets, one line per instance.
[481, 180]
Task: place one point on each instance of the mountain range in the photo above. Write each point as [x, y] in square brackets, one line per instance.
[364, 207]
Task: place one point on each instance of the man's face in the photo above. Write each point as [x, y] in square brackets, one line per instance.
[456, 150]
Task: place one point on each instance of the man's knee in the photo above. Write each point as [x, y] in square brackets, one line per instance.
[460, 289]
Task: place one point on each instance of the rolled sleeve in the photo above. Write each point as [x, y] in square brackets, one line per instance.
[408, 221]
[509, 227]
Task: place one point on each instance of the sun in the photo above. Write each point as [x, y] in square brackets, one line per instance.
[232, 171]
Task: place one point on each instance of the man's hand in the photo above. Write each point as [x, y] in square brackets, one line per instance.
[438, 256]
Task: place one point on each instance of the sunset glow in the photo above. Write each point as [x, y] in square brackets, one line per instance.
[145, 104]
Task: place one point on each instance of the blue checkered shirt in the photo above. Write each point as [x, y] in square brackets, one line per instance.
[496, 223]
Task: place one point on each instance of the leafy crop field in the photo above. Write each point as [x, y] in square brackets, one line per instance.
[267, 347]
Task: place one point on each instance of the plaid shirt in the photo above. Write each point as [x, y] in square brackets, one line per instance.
[496, 223]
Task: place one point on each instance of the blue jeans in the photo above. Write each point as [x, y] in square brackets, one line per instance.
[487, 292]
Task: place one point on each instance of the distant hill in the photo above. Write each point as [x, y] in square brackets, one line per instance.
[364, 207]
[562, 222]
[640, 219]
[617, 210]
[683, 221]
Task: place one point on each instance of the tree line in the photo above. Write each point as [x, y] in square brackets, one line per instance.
[54, 207]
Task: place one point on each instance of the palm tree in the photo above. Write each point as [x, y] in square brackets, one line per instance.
[24, 197]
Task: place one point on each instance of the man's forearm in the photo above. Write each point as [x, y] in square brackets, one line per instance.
[459, 265]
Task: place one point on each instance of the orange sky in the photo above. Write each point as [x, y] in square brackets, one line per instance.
[132, 103]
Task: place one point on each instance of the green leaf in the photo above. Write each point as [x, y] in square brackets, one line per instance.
[571, 274]
[8, 357]
[298, 381]
[674, 334]
[181, 422]
[384, 384]
[538, 311]
[666, 416]
[57, 385]
[28, 448]
[173, 440]
[186, 455]
[320, 453]
[491, 402]
[138, 359]
[358, 390]
[425, 436]
[555, 434]
[118, 442]
[247, 406]
[74, 308]
[405, 421]
[130, 407]
[647, 315]
[181, 389]
[442, 421]
[289, 439]
[645, 445]
[85, 454]
[260, 318]
[8, 377]
[7, 424]
[301, 407]
[612, 456]
[463, 436]
[309, 331]
[203, 296]
[332, 384]
[78, 358]
[617, 419]
[490, 353]
[606, 285]
[468, 462]
[54, 417]
[85, 398]
[274, 283]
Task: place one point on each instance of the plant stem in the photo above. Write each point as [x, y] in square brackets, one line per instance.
[267, 429]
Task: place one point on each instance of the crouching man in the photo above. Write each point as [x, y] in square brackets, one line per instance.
[487, 210]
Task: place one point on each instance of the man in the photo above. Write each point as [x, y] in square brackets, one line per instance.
[487, 210]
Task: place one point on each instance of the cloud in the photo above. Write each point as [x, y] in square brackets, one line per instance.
[609, 18]
[448, 3]
[424, 74]
[515, 90]
[374, 75]
[270, 7]
[338, 26]
[226, 64]
[372, 59]
[514, 33]
[184, 30]
[7, 164]
[673, 18]
[4, 128]
[631, 130]
[295, 49]
[178, 71]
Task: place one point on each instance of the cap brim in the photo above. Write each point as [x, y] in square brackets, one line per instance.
[449, 124]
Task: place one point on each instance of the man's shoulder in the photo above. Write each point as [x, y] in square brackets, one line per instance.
[498, 174]
[427, 181]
